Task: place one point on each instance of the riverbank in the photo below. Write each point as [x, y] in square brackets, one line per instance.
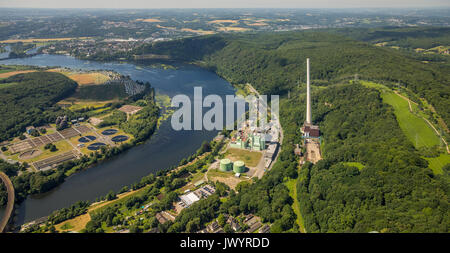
[165, 149]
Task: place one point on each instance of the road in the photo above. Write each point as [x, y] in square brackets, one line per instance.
[260, 172]
[10, 204]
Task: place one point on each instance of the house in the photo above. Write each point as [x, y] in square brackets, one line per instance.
[213, 227]
[264, 229]
[233, 223]
[310, 131]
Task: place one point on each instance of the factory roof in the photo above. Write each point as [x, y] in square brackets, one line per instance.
[189, 198]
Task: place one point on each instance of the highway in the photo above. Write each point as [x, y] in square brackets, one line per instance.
[10, 204]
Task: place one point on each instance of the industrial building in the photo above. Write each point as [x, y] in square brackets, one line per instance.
[253, 141]
[309, 130]
[225, 165]
[239, 167]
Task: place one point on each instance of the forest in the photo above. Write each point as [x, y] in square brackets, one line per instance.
[29, 99]
[274, 63]
[395, 191]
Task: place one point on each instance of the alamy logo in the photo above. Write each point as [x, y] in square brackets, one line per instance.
[213, 118]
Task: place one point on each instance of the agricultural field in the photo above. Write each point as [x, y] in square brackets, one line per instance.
[12, 73]
[42, 40]
[251, 158]
[84, 78]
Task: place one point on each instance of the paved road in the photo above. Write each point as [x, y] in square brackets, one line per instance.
[10, 204]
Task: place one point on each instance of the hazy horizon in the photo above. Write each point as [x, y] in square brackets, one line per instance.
[195, 4]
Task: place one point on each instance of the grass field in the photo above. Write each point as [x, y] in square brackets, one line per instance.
[89, 78]
[100, 92]
[84, 78]
[292, 186]
[251, 158]
[437, 163]
[414, 127]
[360, 166]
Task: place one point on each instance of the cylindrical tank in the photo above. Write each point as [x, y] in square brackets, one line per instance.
[239, 167]
[225, 165]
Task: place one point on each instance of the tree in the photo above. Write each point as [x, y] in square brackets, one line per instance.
[221, 220]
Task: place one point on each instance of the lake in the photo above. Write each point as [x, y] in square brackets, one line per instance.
[166, 147]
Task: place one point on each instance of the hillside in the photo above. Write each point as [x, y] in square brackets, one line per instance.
[25, 100]
[393, 190]
[275, 62]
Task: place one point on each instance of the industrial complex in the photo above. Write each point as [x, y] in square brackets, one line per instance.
[311, 132]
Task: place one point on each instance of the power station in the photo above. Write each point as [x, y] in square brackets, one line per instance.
[309, 130]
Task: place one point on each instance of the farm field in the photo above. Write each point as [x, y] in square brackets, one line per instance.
[84, 78]
[43, 40]
[11, 73]
[251, 158]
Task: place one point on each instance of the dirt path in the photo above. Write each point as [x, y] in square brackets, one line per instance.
[10, 204]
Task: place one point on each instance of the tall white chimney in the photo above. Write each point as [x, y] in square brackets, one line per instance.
[308, 94]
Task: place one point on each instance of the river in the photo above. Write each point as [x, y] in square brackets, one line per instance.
[166, 147]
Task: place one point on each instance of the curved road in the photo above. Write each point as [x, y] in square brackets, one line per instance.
[10, 204]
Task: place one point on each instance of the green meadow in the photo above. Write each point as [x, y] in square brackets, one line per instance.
[415, 128]
[437, 163]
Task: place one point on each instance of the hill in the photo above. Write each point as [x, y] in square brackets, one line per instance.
[393, 190]
[25, 100]
[275, 62]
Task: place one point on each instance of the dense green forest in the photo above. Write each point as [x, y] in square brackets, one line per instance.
[394, 192]
[28, 99]
[275, 62]
[405, 37]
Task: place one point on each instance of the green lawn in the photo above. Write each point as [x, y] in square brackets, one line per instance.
[437, 163]
[292, 186]
[251, 158]
[415, 128]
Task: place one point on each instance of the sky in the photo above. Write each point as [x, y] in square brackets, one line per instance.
[223, 3]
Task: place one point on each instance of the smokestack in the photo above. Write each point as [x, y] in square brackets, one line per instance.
[308, 94]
